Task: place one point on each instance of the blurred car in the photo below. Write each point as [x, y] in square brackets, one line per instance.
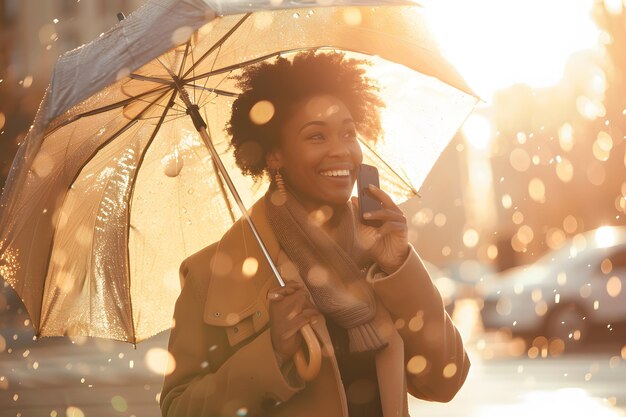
[457, 281]
[565, 293]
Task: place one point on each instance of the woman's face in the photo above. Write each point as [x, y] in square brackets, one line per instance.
[319, 152]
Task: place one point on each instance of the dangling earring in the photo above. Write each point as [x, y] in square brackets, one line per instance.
[280, 182]
[278, 197]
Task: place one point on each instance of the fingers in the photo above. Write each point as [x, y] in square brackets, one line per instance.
[298, 321]
[391, 227]
[386, 215]
[279, 293]
[383, 197]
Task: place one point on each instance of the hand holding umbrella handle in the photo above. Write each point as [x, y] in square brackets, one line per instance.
[308, 371]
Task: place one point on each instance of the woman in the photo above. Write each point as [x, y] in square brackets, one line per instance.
[363, 289]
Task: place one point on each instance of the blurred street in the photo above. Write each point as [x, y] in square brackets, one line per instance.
[55, 377]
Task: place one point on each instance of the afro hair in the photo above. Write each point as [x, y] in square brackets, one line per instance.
[284, 82]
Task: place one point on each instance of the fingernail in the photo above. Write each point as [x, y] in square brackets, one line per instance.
[372, 187]
[367, 215]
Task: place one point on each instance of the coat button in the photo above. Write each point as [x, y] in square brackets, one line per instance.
[217, 314]
[258, 314]
[235, 329]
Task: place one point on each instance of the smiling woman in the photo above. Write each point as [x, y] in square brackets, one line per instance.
[360, 287]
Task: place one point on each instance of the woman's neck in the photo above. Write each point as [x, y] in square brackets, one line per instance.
[330, 216]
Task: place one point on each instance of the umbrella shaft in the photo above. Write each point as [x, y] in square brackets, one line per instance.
[194, 112]
[207, 140]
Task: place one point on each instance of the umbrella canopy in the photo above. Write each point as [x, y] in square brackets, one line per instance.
[113, 186]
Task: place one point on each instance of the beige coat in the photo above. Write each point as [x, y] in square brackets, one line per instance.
[221, 345]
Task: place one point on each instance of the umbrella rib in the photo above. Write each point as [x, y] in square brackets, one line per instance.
[106, 108]
[156, 80]
[129, 205]
[95, 152]
[215, 90]
[206, 80]
[56, 226]
[184, 62]
[220, 182]
[217, 44]
[246, 63]
[380, 159]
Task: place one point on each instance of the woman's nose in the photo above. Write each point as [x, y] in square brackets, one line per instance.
[339, 147]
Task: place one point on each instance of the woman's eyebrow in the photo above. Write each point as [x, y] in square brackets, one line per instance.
[321, 123]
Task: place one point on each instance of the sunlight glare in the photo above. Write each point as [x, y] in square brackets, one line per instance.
[477, 130]
[496, 44]
[605, 237]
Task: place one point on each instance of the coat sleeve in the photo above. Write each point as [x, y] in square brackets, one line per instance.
[210, 377]
[435, 359]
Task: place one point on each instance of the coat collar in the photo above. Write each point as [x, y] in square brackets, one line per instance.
[235, 289]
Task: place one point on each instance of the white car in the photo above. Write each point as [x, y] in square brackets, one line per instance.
[564, 294]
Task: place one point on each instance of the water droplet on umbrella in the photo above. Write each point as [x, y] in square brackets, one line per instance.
[296, 15]
[173, 164]
[181, 35]
[122, 73]
[352, 16]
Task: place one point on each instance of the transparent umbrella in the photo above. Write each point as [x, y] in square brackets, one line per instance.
[127, 169]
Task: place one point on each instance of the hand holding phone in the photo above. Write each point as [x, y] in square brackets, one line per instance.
[367, 175]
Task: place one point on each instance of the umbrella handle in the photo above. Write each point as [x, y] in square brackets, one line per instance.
[308, 371]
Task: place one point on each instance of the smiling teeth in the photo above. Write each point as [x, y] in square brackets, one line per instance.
[337, 173]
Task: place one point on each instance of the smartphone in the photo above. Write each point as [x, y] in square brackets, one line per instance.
[367, 175]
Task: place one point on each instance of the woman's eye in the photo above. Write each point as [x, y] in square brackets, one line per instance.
[316, 136]
[351, 134]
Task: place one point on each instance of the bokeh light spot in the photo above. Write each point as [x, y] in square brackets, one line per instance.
[606, 266]
[564, 170]
[160, 361]
[262, 112]
[352, 16]
[416, 365]
[250, 266]
[470, 238]
[519, 159]
[74, 412]
[570, 224]
[119, 404]
[614, 286]
[449, 370]
[537, 190]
